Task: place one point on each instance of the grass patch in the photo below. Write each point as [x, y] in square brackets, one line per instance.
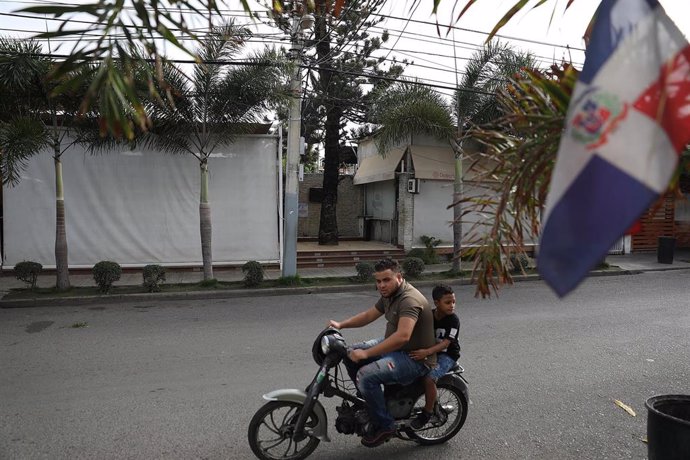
[295, 280]
[79, 325]
[208, 283]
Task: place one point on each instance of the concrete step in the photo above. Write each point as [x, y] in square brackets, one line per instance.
[348, 258]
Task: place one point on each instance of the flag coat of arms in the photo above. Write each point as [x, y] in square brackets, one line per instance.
[628, 121]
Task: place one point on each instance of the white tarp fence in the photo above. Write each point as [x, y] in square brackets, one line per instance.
[137, 208]
[433, 218]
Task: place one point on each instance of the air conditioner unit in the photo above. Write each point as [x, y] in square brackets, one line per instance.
[413, 185]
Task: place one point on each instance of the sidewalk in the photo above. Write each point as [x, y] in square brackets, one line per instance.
[629, 263]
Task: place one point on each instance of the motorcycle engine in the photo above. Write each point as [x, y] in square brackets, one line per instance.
[351, 420]
[346, 421]
[400, 407]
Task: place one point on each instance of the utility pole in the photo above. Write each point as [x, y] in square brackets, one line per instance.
[300, 22]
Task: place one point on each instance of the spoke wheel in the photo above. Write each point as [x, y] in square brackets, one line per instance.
[271, 429]
[449, 416]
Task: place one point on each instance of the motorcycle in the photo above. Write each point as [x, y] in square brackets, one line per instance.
[293, 423]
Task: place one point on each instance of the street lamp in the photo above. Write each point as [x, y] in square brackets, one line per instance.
[300, 23]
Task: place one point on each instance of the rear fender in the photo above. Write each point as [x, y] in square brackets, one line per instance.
[299, 396]
[458, 382]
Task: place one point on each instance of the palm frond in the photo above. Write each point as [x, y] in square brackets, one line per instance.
[20, 139]
[221, 43]
[407, 109]
[520, 151]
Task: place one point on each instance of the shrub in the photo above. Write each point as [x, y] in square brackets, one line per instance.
[253, 273]
[365, 271]
[417, 252]
[28, 272]
[519, 263]
[430, 243]
[413, 267]
[154, 276]
[105, 273]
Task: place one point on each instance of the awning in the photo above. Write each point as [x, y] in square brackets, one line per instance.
[377, 168]
[433, 162]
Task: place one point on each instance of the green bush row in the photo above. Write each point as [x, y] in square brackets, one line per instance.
[412, 268]
[106, 272]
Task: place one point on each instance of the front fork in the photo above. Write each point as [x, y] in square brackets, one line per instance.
[313, 391]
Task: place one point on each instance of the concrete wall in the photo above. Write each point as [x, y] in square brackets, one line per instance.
[349, 209]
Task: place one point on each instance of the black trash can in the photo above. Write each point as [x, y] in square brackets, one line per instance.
[668, 427]
[665, 248]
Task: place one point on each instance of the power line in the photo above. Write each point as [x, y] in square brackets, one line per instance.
[372, 76]
[242, 13]
[385, 16]
[506, 37]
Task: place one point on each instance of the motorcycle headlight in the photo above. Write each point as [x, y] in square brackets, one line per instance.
[325, 344]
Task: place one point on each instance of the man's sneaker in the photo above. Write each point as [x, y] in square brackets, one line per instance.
[420, 420]
[378, 437]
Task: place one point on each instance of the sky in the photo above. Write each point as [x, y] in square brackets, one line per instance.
[550, 32]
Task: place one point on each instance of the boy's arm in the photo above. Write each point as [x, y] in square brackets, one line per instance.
[424, 352]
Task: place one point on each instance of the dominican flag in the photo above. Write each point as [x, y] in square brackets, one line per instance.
[628, 121]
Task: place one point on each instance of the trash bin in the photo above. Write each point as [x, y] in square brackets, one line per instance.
[665, 248]
[668, 427]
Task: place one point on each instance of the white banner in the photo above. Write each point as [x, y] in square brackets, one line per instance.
[141, 207]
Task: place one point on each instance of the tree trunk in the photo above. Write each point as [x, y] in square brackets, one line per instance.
[457, 212]
[328, 223]
[62, 282]
[205, 224]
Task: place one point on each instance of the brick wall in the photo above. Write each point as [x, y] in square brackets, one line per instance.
[349, 208]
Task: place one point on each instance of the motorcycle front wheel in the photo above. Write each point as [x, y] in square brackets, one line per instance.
[271, 429]
[449, 416]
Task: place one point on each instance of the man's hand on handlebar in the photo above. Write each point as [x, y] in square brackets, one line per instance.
[334, 323]
[357, 355]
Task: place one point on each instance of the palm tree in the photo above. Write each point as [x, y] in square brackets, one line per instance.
[407, 110]
[211, 107]
[32, 117]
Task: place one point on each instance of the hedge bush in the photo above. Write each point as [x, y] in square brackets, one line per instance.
[28, 272]
[154, 276]
[253, 273]
[413, 267]
[365, 271]
[105, 273]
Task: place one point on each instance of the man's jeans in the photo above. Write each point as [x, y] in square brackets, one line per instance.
[370, 374]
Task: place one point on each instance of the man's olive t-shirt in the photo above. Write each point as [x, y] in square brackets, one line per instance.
[409, 302]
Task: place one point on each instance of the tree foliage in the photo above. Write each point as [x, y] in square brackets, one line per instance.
[341, 86]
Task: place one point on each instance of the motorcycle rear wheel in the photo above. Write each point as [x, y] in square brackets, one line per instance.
[453, 407]
[270, 432]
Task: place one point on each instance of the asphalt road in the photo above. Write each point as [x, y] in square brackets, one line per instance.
[181, 380]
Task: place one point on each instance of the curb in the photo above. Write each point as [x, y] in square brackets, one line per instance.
[239, 293]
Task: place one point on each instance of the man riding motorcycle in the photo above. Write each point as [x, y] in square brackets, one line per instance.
[383, 361]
